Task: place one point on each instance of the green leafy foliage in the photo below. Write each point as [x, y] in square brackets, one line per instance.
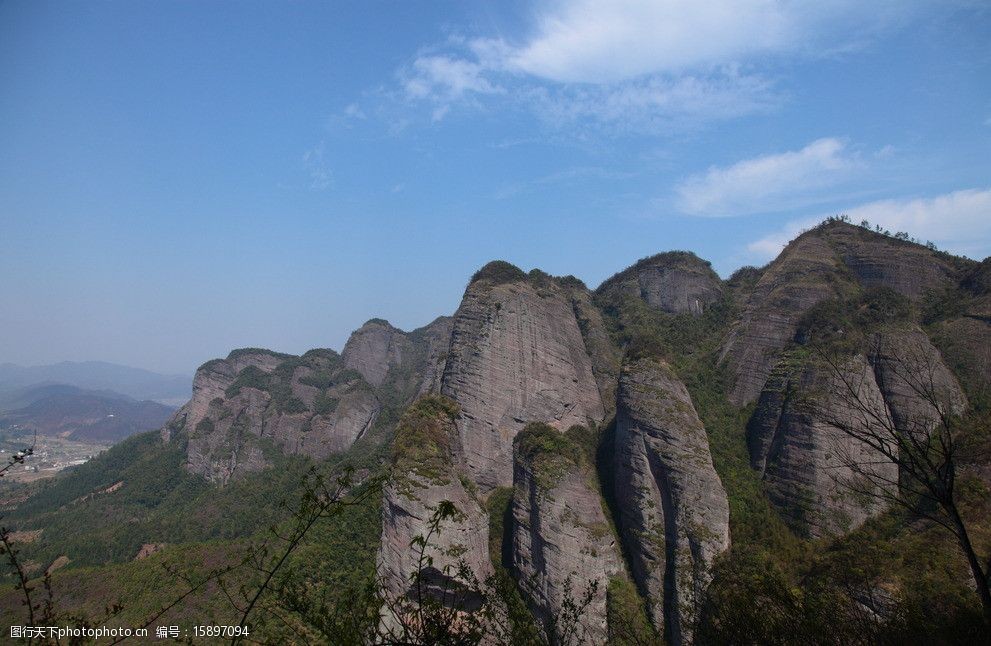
[422, 443]
[143, 481]
[841, 325]
[498, 272]
[627, 615]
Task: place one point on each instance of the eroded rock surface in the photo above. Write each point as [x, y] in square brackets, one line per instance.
[674, 282]
[255, 402]
[562, 542]
[674, 515]
[606, 358]
[427, 472]
[803, 275]
[411, 363]
[803, 459]
[830, 261]
[881, 261]
[914, 380]
[517, 355]
[796, 439]
[374, 349]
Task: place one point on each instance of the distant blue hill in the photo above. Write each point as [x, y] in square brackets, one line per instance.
[97, 375]
[100, 416]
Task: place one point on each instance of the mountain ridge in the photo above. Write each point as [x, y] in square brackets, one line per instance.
[669, 384]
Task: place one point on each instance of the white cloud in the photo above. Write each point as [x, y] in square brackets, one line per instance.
[445, 80]
[354, 111]
[762, 183]
[648, 63]
[657, 103]
[448, 76]
[771, 245]
[959, 222]
[590, 41]
[316, 167]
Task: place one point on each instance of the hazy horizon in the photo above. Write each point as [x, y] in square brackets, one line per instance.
[181, 179]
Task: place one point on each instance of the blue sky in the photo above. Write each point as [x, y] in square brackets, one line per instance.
[181, 178]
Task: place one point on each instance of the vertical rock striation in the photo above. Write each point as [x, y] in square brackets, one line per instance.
[674, 515]
[833, 260]
[562, 543]
[517, 355]
[408, 363]
[803, 275]
[374, 349]
[427, 471]
[916, 383]
[256, 401]
[673, 282]
[795, 437]
[803, 459]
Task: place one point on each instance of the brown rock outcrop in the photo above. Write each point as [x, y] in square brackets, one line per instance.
[309, 405]
[803, 275]
[410, 363]
[427, 471]
[674, 515]
[375, 348]
[674, 282]
[882, 261]
[803, 459]
[829, 261]
[803, 456]
[562, 542]
[517, 355]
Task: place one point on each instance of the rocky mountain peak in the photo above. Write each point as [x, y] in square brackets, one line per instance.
[256, 399]
[833, 260]
[674, 516]
[497, 272]
[375, 348]
[562, 542]
[517, 355]
[674, 282]
[427, 470]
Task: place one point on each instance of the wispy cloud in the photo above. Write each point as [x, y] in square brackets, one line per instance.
[566, 176]
[354, 111]
[316, 167]
[766, 183]
[444, 81]
[588, 41]
[648, 64]
[656, 104]
[959, 222]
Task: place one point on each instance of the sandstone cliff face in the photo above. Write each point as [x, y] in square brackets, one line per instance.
[409, 362]
[881, 261]
[517, 355]
[914, 379]
[427, 471]
[673, 282]
[965, 339]
[803, 456]
[824, 263]
[562, 542]
[430, 346]
[803, 275]
[257, 401]
[606, 358]
[375, 348]
[674, 516]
